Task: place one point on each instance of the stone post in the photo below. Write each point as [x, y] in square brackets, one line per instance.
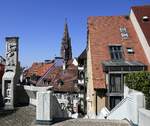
[43, 109]
[11, 76]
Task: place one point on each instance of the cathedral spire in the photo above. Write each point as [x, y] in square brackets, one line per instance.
[66, 33]
[66, 50]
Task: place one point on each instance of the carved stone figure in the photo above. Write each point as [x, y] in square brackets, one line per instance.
[11, 76]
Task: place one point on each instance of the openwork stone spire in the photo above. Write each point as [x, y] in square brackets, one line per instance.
[66, 50]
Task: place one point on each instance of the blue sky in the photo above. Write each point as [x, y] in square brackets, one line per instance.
[40, 24]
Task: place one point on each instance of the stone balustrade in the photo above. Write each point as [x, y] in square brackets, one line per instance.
[48, 108]
[32, 91]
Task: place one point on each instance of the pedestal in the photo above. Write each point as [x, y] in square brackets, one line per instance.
[43, 109]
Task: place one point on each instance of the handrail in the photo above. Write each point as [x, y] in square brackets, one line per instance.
[119, 104]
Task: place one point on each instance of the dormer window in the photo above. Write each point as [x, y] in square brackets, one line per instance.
[124, 33]
[130, 50]
[60, 82]
[116, 52]
[145, 18]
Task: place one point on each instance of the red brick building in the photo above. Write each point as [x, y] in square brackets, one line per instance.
[114, 49]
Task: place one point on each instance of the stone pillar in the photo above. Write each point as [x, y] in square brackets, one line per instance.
[43, 109]
[91, 93]
[11, 76]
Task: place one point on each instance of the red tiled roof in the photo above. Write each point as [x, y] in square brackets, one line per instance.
[103, 31]
[139, 12]
[38, 69]
[67, 76]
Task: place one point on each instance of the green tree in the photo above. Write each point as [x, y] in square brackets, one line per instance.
[140, 81]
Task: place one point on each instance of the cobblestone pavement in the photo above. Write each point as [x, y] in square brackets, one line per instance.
[25, 116]
[22, 116]
[90, 122]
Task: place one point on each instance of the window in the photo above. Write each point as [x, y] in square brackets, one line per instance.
[116, 52]
[145, 18]
[65, 96]
[81, 75]
[59, 96]
[114, 100]
[115, 83]
[124, 33]
[130, 51]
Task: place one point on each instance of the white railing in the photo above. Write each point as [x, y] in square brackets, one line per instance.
[119, 105]
[128, 108]
[144, 117]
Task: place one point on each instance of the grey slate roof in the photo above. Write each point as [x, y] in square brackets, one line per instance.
[122, 63]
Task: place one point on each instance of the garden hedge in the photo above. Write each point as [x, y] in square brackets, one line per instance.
[140, 81]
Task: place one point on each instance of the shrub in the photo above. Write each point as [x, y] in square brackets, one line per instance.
[140, 81]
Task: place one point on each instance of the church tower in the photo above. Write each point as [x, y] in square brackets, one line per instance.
[66, 50]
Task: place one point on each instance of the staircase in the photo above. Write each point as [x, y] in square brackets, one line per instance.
[120, 105]
[128, 108]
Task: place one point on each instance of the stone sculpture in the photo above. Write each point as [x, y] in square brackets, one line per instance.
[11, 75]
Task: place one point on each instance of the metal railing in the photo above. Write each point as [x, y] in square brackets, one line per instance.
[46, 74]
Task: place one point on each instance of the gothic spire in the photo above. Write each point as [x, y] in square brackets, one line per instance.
[66, 50]
[66, 33]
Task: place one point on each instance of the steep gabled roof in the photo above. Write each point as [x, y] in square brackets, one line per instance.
[38, 69]
[67, 77]
[104, 31]
[141, 12]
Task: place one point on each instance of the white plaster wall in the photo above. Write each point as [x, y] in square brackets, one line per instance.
[90, 91]
[126, 91]
[65, 101]
[144, 117]
[141, 35]
[75, 62]
[32, 101]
